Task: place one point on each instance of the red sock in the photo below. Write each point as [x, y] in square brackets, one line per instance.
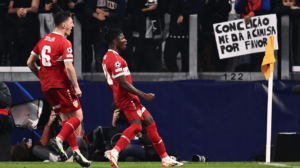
[68, 128]
[127, 135]
[71, 139]
[156, 140]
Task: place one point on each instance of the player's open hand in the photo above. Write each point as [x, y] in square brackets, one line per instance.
[78, 92]
[149, 97]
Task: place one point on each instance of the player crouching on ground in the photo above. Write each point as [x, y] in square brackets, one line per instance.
[55, 55]
[126, 98]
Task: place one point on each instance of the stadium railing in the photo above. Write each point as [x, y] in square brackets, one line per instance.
[281, 72]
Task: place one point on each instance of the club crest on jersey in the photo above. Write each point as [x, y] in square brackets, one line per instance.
[69, 50]
[139, 112]
[117, 64]
[75, 103]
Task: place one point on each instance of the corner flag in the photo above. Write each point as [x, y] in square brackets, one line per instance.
[267, 65]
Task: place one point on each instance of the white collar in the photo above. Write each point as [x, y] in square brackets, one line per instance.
[113, 51]
[57, 33]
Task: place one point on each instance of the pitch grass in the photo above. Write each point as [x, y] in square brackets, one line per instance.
[148, 165]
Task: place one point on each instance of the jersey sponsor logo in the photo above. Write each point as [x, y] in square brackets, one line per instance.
[69, 50]
[75, 103]
[119, 69]
[51, 39]
[70, 55]
[139, 112]
[118, 64]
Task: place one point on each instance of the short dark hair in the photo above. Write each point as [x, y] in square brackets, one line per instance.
[61, 16]
[110, 34]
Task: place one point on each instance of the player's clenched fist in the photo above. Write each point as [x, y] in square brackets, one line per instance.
[149, 97]
[78, 92]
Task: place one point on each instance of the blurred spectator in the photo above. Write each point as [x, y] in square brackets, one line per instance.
[43, 151]
[252, 8]
[78, 8]
[75, 6]
[127, 54]
[148, 24]
[291, 8]
[104, 13]
[178, 39]
[3, 51]
[51, 6]
[47, 10]
[6, 122]
[215, 11]
[23, 29]
[248, 9]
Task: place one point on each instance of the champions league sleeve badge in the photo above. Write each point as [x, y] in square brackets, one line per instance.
[69, 50]
[117, 64]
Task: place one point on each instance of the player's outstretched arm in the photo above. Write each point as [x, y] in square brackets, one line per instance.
[32, 65]
[149, 97]
[72, 75]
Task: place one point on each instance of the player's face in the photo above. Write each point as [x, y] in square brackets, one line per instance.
[121, 42]
[68, 25]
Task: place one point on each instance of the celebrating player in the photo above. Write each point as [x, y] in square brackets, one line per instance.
[55, 55]
[126, 98]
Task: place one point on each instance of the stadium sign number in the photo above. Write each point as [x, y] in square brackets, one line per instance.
[234, 76]
[46, 58]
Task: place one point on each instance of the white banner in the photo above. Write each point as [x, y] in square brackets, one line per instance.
[235, 38]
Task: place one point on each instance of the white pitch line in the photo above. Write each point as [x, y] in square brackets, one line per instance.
[278, 165]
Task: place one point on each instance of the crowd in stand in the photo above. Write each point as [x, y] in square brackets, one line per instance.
[150, 48]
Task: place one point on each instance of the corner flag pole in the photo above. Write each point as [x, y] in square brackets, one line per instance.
[269, 118]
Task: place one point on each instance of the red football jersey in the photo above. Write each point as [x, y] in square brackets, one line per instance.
[114, 66]
[53, 50]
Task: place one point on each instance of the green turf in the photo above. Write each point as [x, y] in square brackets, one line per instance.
[147, 165]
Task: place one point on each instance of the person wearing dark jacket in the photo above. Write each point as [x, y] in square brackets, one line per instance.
[104, 13]
[215, 11]
[23, 29]
[178, 39]
[51, 6]
[291, 8]
[75, 6]
[5, 97]
[5, 102]
[3, 22]
[147, 25]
